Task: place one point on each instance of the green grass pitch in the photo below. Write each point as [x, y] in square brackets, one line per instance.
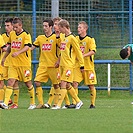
[113, 114]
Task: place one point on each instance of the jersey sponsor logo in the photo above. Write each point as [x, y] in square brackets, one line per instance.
[16, 45]
[62, 47]
[82, 48]
[46, 47]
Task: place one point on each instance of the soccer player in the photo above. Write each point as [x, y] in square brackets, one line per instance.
[48, 61]
[69, 49]
[9, 28]
[54, 95]
[2, 46]
[88, 48]
[127, 52]
[20, 62]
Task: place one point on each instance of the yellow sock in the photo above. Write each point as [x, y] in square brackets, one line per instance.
[66, 99]
[73, 100]
[63, 92]
[1, 94]
[8, 94]
[56, 96]
[51, 96]
[73, 94]
[93, 96]
[16, 95]
[31, 91]
[39, 94]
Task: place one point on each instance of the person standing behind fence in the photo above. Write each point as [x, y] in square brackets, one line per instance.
[20, 62]
[88, 48]
[9, 28]
[127, 52]
[69, 46]
[48, 61]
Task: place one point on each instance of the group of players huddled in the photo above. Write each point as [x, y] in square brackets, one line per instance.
[64, 58]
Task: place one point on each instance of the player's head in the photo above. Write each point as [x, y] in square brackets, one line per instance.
[8, 25]
[63, 25]
[56, 20]
[48, 25]
[124, 53]
[82, 27]
[17, 25]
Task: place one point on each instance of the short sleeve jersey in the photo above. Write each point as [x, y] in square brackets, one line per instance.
[69, 51]
[6, 38]
[48, 49]
[87, 44]
[1, 45]
[17, 43]
[131, 52]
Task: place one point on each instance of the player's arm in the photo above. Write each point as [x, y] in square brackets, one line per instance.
[92, 49]
[90, 53]
[57, 63]
[5, 55]
[35, 44]
[78, 52]
[33, 47]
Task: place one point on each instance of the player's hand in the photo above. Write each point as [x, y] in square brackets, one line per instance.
[15, 54]
[57, 64]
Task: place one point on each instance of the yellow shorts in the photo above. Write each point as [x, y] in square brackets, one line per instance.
[89, 77]
[1, 73]
[66, 74]
[77, 75]
[5, 72]
[22, 73]
[45, 73]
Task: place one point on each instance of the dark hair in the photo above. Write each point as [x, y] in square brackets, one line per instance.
[9, 20]
[49, 21]
[17, 20]
[124, 53]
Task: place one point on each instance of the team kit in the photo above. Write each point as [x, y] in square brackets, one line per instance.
[64, 58]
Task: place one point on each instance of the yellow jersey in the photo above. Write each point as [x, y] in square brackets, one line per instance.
[48, 49]
[6, 38]
[69, 51]
[17, 43]
[87, 44]
[2, 43]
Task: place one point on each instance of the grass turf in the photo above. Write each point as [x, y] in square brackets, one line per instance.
[113, 114]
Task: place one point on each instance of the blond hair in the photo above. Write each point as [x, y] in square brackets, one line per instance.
[56, 19]
[84, 23]
[64, 23]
